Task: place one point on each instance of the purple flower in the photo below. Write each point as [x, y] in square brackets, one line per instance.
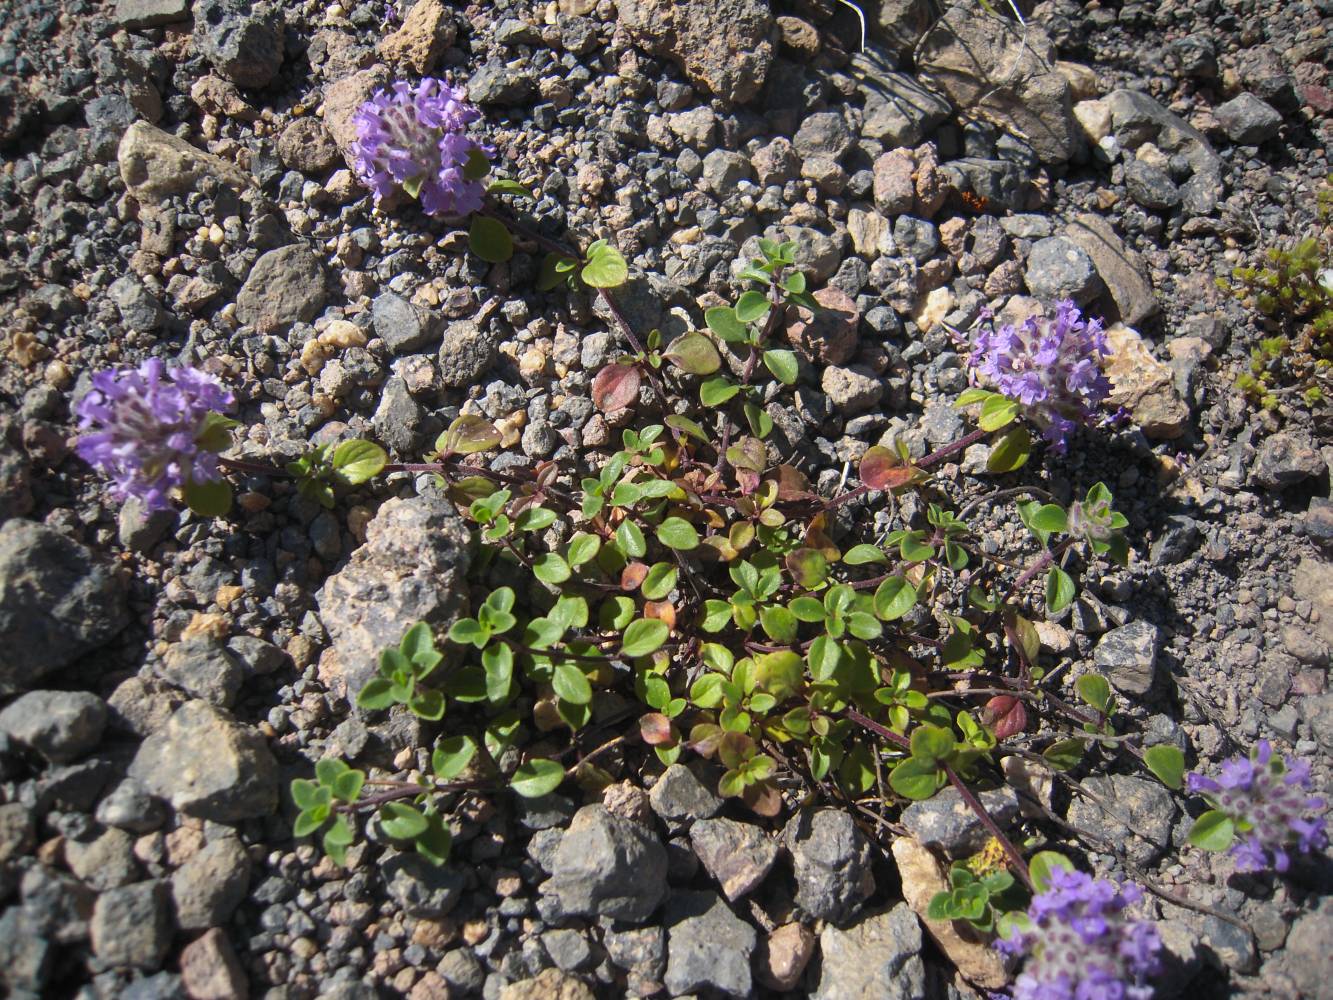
[143, 432]
[412, 137]
[1265, 798]
[1051, 365]
[1081, 946]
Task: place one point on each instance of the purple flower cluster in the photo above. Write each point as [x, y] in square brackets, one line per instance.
[1052, 366]
[412, 137]
[142, 430]
[1265, 797]
[1081, 946]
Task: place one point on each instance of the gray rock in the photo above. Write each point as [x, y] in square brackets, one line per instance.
[1122, 270]
[877, 958]
[18, 831]
[397, 420]
[208, 887]
[1247, 120]
[1128, 657]
[136, 14]
[1151, 186]
[1058, 268]
[130, 926]
[737, 855]
[851, 390]
[1179, 539]
[26, 956]
[1132, 813]
[1005, 74]
[462, 971]
[140, 530]
[915, 237]
[411, 568]
[1307, 958]
[723, 169]
[106, 862]
[256, 656]
[832, 862]
[1285, 459]
[708, 946]
[947, 823]
[203, 667]
[898, 110]
[1000, 182]
[306, 145]
[466, 353]
[495, 83]
[57, 602]
[60, 725]
[608, 866]
[56, 905]
[1136, 118]
[824, 133]
[568, 949]
[724, 46]
[402, 326]
[142, 705]
[285, 286]
[16, 497]
[899, 23]
[139, 308]
[207, 764]
[420, 888]
[680, 798]
[130, 807]
[512, 31]
[242, 41]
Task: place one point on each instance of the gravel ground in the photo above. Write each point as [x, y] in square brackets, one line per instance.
[173, 184]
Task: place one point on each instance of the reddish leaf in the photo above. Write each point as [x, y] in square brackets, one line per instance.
[632, 576]
[663, 611]
[881, 470]
[615, 387]
[656, 730]
[1006, 715]
[763, 799]
[792, 484]
[705, 738]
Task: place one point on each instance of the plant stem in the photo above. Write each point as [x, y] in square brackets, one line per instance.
[950, 448]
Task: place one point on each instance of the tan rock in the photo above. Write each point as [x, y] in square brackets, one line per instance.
[1082, 79]
[1121, 269]
[870, 232]
[342, 97]
[1094, 117]
[428, 30]
[216, 96]
[828, 336]
[156, 165]
[550, 984]
[932, 309]
[782, 958]
[1144, 386]
[922, 878]
[210, 969]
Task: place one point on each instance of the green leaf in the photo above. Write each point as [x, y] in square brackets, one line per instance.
[687, 426]
[477, 165]
[932, 744]
[307, 823]
[535, 519]
[1168, 763]
[761, 424]
[1049, 518]
[436, 842]
[997, 412]
[630, 540]
[304, 793]
[537, 777]
[550, 567]
[717, 615]
[616, 612]
[751, 306]
[783, 364]
[583, 548]
[208, 499]
[469, 630]
[402, 821]
[1213, 831]
[660, 581]
[644, 636]
[1064, 755]
[716, 391]
[807, 609]
[694, 353]
[377, 694]
[1043, 864]
[605, 268]
[723, 322]
[974, 395]
[452, 756]
[356, 461]
[418, 645]
[678, 533]
[894, 598]
[215, 434]
[861, 555]
[571, 684]
[506, 186]
[497, 660]
[490, 240]
[914, 779]
[555, 269]
[794, 282]
[337, 838]
[1060, 590]
[1011, 451]
[1095, 690]
[347, 786]
[779, 623]
[427, 703]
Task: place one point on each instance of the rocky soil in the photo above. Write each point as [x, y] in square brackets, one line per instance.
[173, 184]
